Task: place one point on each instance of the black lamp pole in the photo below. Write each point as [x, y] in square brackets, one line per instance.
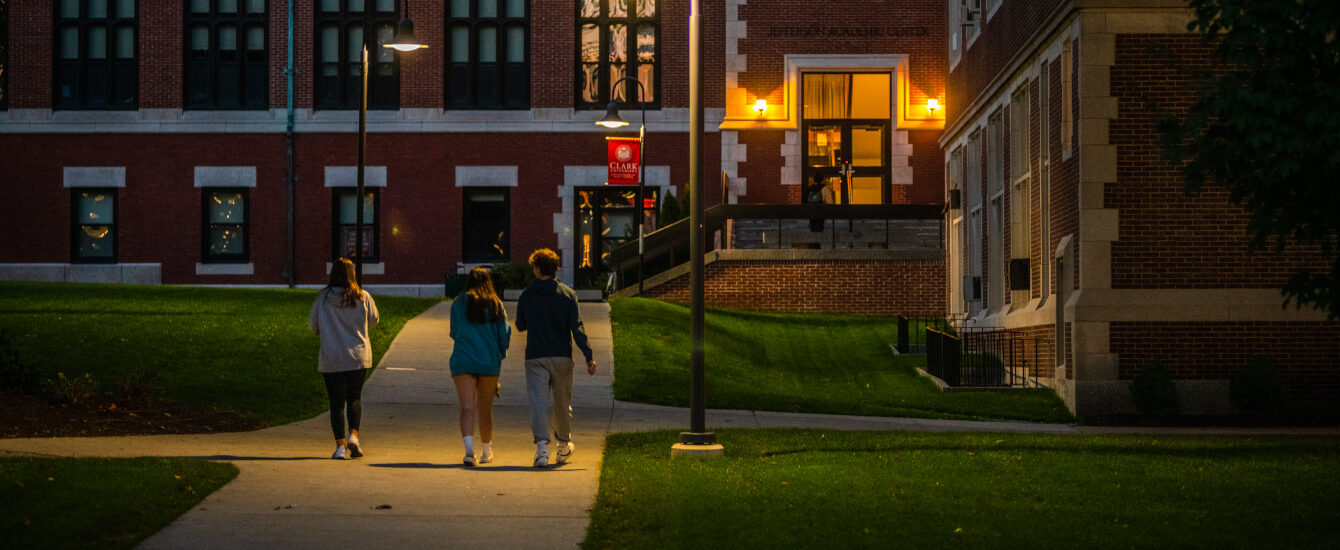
[697, 434]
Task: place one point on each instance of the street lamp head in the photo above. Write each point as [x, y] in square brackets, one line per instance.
[404, 37]
[612, 119]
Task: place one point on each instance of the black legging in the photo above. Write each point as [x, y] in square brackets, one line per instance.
[345, 388]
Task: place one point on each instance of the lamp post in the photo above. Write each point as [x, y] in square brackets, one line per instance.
[612, 120]
[403, 41]
[697, 441]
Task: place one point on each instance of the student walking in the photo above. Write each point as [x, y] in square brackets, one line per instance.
[342, 315]
[548, 310]
[479, 329]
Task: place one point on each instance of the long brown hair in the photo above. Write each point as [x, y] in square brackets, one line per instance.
[481, 302]
[344, 277]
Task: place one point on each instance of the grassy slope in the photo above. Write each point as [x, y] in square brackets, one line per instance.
[791, 362]
[242, 350]
[98, 502]
[813, 489]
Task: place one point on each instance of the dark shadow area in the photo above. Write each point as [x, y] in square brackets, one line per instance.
[484, 468]
[259, 458]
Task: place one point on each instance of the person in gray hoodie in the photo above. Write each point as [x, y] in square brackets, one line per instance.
[343, 315]
[547, 310]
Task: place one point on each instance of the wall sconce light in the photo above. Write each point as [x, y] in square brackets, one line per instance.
[761, 106]
[932, 105]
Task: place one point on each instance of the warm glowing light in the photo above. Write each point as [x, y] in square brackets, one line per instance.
[405, 47]
[761, 106]
[932, 105]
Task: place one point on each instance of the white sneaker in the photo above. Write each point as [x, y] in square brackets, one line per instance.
[487, 456]
[340, 453]
[355, 451]
[470, 460]
[541, 456]
[565, 452]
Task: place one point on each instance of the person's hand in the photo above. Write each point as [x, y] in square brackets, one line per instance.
[591, 367]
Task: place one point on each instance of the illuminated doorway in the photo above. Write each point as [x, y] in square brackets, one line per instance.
[846, 126]
[607, 218]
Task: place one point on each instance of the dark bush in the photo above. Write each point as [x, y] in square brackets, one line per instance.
[1258, 387]
[670, 210]
[1154, 392]
[513, 275]
[16, 375]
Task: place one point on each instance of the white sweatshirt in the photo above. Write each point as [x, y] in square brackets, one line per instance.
[344, 330]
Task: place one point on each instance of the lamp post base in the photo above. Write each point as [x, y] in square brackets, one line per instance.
[696, 451]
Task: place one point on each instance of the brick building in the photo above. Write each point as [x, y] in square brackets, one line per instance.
[1062, 213]
[149, 141]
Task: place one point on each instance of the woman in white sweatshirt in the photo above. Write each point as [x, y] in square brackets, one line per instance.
[342, 315]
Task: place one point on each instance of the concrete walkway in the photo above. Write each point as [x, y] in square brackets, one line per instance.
[411, 490]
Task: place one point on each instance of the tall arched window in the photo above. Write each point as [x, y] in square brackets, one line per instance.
[616, 38]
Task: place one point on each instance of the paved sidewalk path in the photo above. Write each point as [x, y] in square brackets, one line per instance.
[291, 495]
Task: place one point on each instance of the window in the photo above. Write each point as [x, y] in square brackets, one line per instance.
[339, 50]
[485, 225]
[616, 38]
[1020, 172]
[4, 55]
[225, 226]
[995, 238]
[846, 124]
[95, 65]
[1044, 176]
[488, 52]
[226, 61]
[345, 226]
[1067, 114]
[93, 238]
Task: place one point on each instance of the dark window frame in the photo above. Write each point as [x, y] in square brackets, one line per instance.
[507, 76]
[468, 220]
[252, 67]
[602, 23]
[83, 72]
[383, 90]
[76, 227]
[206, 226]
[371, 231]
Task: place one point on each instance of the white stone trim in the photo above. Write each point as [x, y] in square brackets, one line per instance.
[791, 161]
[378, 268]
[227, 269]
[732, 154]
[486, 176]
[123, 273]
[347, 176]
[94, 176]
[225, 176]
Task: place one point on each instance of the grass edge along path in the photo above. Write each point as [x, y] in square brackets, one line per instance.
[100, 502]
[833, 489]
[246, 351]
[789, 362]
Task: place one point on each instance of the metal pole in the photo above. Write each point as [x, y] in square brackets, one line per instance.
[362, 146]
[697, 434]
[291, 273]
[641, 186]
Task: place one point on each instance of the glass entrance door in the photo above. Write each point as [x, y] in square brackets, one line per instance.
[607, 218]
[846, 127]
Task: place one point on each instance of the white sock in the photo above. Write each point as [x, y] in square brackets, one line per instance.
[488, 448]
[469, 445]
[542, 446]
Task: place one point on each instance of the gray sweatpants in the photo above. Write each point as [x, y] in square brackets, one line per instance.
[547, 375]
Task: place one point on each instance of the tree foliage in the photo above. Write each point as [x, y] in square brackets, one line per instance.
[1266, 127]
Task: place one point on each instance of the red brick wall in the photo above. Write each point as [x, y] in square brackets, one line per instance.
[30, 55]
[853, 287]
[1167, 238]
[1307, 354]
[1001, 38]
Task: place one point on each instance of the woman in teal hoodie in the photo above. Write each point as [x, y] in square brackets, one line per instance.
[479, 327]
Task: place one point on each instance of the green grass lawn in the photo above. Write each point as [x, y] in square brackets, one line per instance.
[99, 502]
[833, 489]
[241, 350]
[795, 362]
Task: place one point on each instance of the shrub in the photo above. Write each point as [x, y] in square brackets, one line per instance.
[670, 210]
[75, 390]
[1154, 392]
[511, 275]
[136, 385]
[16, 374]
[1258, 387]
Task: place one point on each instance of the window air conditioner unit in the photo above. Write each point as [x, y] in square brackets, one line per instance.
[972, 288]
[1019, 276]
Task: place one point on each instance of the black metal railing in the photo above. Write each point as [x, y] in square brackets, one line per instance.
[784, 226]
[912, 330]
[984, 357]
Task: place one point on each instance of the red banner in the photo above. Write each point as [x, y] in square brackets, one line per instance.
[623, 159]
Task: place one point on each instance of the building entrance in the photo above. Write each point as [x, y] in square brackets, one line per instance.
[607, 218]
[846, 128]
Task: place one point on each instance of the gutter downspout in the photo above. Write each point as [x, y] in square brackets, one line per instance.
[290, 274]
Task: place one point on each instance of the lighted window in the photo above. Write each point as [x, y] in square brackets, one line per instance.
[225, 226]
[340, 38]
[95, 54]
[344, 230]
[617, 38]
[488, 60]
[93, 238]
[226, 61]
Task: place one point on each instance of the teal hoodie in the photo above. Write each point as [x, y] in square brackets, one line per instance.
[547, 312]
[480, 348]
